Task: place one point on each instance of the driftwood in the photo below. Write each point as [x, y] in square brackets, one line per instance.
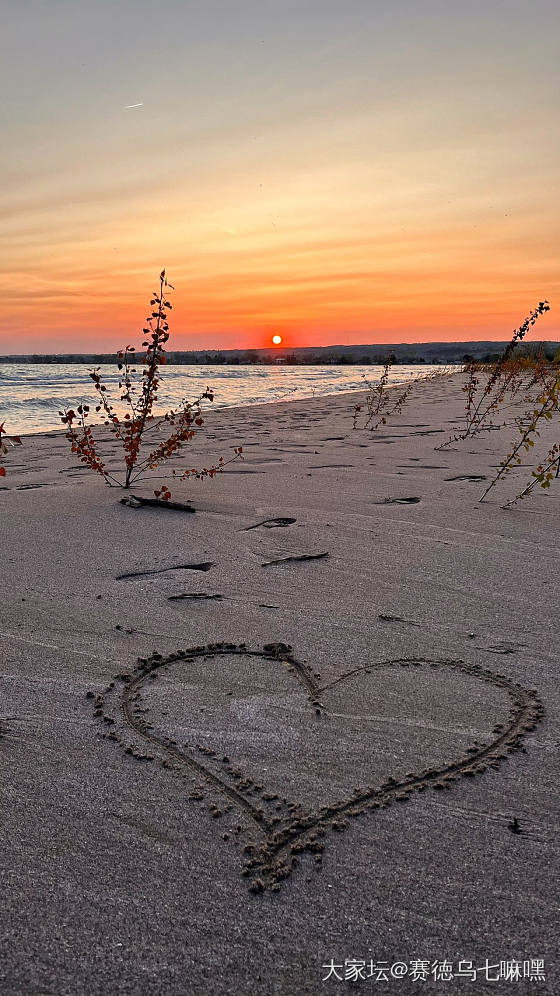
[134, 501]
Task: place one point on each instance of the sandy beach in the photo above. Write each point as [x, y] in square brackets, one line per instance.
[243, 747]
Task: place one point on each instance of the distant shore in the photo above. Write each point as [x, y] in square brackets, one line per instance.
[372, 353]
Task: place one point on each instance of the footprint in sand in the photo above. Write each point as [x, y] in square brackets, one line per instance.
[398, 501]
[468, 477]
[204, 566]
[277, 523]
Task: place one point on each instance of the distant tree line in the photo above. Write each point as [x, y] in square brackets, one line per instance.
[249, 358]
[364, 355]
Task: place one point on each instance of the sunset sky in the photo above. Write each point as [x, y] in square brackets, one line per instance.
[333, 171]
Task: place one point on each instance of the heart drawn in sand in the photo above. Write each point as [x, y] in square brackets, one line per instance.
[283, 828]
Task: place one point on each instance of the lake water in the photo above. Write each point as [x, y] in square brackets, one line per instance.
[32, 394]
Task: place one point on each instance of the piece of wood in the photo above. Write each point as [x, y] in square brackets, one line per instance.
[134, 501]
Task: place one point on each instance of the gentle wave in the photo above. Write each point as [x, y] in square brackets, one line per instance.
[32, 394]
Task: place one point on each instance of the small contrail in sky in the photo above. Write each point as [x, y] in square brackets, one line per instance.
[128, 106]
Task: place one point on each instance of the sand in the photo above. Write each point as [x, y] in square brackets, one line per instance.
[324, 758]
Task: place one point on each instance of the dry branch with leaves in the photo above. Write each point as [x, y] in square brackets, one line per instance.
[547, 406]
[139, 425]
[380, 403]
[505, 377]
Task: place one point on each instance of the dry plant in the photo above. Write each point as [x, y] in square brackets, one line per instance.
[138, 395]
[546, 405]
[380, 404]
[506, 376]
[543, 475]
[6, 442]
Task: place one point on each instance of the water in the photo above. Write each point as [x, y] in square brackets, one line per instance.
[32, 394]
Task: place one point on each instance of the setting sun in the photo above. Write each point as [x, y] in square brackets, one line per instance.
[277, 339]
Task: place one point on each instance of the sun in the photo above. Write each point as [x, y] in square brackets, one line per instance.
[277, 339]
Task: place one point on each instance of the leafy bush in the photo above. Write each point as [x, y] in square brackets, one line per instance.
[380, 404]
[547, 405]
[506, 376]
[138, 396]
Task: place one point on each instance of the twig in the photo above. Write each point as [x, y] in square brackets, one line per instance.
[135, 501]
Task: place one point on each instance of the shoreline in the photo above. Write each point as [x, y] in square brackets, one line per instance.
[265, 404]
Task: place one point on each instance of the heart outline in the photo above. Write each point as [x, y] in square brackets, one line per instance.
[273, 860]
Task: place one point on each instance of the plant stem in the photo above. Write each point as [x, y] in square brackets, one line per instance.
[149, 381]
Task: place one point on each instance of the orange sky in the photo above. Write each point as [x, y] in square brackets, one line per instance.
[332, 173]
